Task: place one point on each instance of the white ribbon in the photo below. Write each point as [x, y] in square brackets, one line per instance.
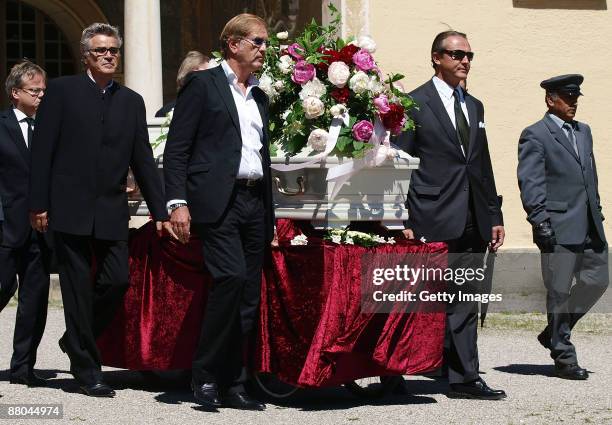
[334, 132]
[381, 151]
[340, 174]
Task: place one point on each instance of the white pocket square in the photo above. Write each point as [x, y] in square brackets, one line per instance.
[481, 124]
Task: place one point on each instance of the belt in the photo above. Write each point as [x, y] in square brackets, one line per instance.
[248, 182]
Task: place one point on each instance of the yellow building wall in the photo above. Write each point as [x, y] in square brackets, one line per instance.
[517, 43]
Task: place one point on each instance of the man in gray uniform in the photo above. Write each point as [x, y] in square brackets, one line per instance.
[558, 182]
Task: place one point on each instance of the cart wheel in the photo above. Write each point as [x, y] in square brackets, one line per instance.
[374, 386]
[273, 387]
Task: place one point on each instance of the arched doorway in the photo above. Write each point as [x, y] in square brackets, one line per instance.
[44, 31]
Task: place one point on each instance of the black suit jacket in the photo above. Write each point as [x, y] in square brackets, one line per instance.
[439, 192]
[14, 178]
[84, 142]
[203, 150]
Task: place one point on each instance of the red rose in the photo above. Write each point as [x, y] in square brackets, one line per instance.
[341, 95]
[394, 119]
[347, 52]
[329, 56]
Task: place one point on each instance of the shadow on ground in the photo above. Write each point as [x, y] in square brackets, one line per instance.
[528, 369]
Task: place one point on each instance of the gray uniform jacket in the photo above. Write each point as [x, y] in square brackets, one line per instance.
[556, 183]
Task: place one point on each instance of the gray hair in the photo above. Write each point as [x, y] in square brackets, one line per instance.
[98, 29]
[20, 72]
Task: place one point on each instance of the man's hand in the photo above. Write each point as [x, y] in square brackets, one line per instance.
[180, 219]
[544, 237]
[408, 233]
[498, 235]
[165, 226]
[274, 242]
[39, 221]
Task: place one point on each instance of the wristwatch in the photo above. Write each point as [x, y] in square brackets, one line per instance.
[177, 205]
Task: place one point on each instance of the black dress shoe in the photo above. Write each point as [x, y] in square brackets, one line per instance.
[31, 380]
[99, 389]
[572, 371]
[207, 394]
[544, 339]
[476, 390]
[62, 344]
[241, 400]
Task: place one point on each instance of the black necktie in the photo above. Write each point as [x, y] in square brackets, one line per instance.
[30, 122]
[463, 129]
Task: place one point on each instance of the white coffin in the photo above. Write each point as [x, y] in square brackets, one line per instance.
[372, 194]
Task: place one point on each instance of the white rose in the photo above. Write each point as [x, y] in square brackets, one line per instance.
[375, 86]
[366, 43]
[285, 64]
[337, 110]
[313, 107]
[266, 84]
[313, 88]
[338, 74]
[279, 85]
[317, 140]
[360, 82]
[282, 35]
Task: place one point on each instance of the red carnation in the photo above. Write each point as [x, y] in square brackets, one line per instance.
[347, 52]
[394, 119]
[341, 95]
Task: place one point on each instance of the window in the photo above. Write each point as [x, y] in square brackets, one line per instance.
[26, 32]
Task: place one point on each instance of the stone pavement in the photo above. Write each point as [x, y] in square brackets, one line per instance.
[511, 359]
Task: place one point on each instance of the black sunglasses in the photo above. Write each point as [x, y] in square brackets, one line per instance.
[257, 41]
[101, 51]
[458, 55]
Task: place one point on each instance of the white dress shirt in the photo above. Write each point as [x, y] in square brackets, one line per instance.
[445, 91]
[251, 125]
[23, 124]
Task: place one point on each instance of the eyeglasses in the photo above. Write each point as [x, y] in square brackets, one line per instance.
[256, 42]
[101, 51]
[458, 55]
[33, 92]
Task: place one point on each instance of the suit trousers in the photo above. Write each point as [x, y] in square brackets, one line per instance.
[566, 302]
[93, 278]
[28, 265]
[233, 251]
[460, 346]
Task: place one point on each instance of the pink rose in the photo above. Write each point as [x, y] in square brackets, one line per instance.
[363, 60]
[382, 104]
[362, 130]
[294, 50]
[303, 72]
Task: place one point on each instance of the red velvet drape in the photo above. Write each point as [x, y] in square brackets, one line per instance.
[311, 330]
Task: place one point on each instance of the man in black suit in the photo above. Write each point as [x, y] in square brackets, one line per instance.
[559, 189]
[24, 255]
[216, 170]
[452, 196]
[89, 130]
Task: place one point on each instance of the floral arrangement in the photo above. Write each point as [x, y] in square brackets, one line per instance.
[165, 125]
[353, 237]
[319, 77]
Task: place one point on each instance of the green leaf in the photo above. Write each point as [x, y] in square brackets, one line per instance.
[358, 145]
[343, 142]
